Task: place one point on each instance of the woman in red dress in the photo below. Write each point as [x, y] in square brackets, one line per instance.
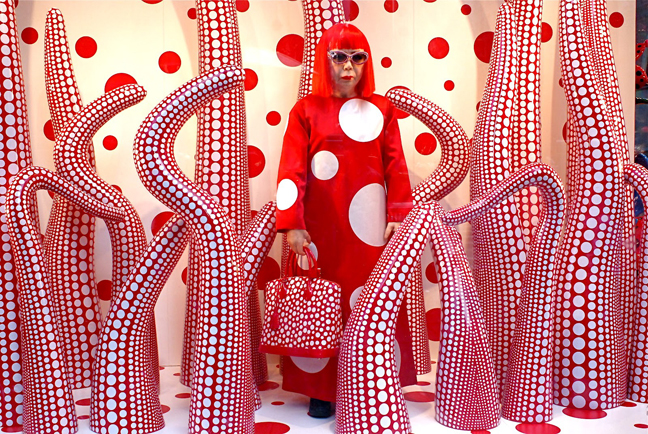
[343, 189]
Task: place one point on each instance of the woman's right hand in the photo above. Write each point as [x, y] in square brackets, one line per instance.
[298, 239]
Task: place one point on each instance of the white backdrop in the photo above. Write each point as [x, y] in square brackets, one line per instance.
[132, 35]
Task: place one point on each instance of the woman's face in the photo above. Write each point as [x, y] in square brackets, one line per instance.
[345, 75]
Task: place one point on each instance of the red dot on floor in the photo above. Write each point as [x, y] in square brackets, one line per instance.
[251, 79]
[641, 425]
[48, 130]
[273, 118]
[165, 408]
[161, 368]
[449, 85]
[177, 374]
[191, 13]
[84, 417]
[277, 403]
[104, 289]
[160, 220]
[537, 428]
[269, 271]
[483, 431]
[242, 5]
[110, 142]
[268, 385]
[29, 35]
[466, 9]
[256, 161]
[616, 19]
[391, 6]
[547, 32]
[271, 428]
[438, 48]
[580, 413]
[422, 383]
[431, 274]
[628, 404]
[17, 428]
[419, 396]
[483, 45]
[433, 318]
[425, 143]
[84, 401]
[152, 2]
[386, 62]
[351, 10]
[119, 79]
[184, 395]
[290, 50]
[169, 62]
[86, 47]
[183, 275]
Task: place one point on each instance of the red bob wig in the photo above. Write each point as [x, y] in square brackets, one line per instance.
[341, 36]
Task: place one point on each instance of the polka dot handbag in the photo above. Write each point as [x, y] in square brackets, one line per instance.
[303, 314]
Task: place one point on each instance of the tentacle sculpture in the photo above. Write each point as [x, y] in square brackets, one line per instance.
[222, 321]
[15, 154]
[69, 238]
[450, 172]
[48, 404]
[588, 280]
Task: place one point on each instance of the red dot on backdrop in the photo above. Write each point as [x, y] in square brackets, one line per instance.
[152, 2]
[242, 5]
[104, 290]
[268, 385]
[48, 130]
[159, 221]
[483, 45]
[400, 114]
[386, 62]
[449, 85]
[433, 319]
[271, 428]
[86, 47]
[110, 142]
[183, 275]
[477, 106]
[430, 1]
[351, 10]
[184, 395]
[537, 428]
[547, 32]
[251, 79]
[431, 274]
[438, 48]
[580, 413]
[425, 143]
[564, 132]
[119, 79]
[169, 62]
[269, 271]
[84, 402]
[290, 50]
[256, 161]
[419, 396]
[391, 6]
[29, 35]
[273, 118]
[466, 9]
[165, 408]
[16, 3]
[191, 13]
[616, 19]
[51, 194]
[560, 82]
[116, 187]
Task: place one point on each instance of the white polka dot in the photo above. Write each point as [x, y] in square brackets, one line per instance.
[308, 364]
[354, 296]
[286, 194]
[303, 261]
[367, 214]
[324, 165]
[361, 120]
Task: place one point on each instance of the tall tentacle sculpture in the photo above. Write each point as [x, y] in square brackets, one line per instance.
[48, 404]
[450, 172]
[69, 238]
[15, 154]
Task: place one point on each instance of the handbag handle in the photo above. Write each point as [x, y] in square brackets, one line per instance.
[295, 270]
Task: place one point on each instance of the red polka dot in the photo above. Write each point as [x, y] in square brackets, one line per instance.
[160, 220]
[616, 19]
[110, 142]
[477, 107]
[560, 82]
[391, 6]
[628, 404]
[85, 401]
[165, 408]
[584, 414]
[271, 428]
[268, 385]
[449, 85]
[438, 48]
[84, 417]
[466, 9]
[256, 161]
[351, 10]
[290, 50]
[537, 428]
[116, 187]
[17, 428]
[400, 114]
[270, 270]
[431, 274]
[183, 275]
[48, 130]
[277, 403]
[242, 5]
[152, 2]
[425, 143]
[104, 290]
[547, 32]
[29, 35]
[641, 425]
[433, 319]
[119, 79]
[419, 396]
[251, 79]
[16, 3]
[184, 395]
[86, 47]
[273, 118]
[191, 13]
[386, 62]
[483, 46]
[169, 62]
[423, 383]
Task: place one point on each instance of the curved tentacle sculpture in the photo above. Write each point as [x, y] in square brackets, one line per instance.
[223, 349]
[69, 238]
[15, 154]
[48, 404]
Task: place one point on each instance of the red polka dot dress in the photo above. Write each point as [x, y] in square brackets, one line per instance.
[342, 177]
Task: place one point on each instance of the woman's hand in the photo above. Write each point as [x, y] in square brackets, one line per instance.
[298, 239]
[392, 227]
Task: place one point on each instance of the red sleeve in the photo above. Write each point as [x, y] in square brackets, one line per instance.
[399, 191]
[293, 170]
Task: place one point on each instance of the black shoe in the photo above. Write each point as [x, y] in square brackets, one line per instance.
[320, 409]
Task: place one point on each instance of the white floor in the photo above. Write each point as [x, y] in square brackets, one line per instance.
[284, 412]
